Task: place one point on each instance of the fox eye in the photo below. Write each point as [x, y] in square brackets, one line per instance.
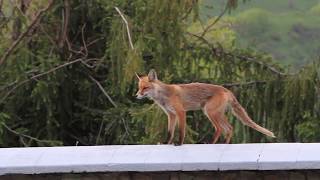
[145, 88]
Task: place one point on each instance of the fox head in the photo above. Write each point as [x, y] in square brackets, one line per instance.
[147, 85]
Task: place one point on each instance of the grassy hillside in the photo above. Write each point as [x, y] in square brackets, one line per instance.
[211, 7]
[287, 29]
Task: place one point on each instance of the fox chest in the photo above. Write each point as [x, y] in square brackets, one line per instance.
[165, 105]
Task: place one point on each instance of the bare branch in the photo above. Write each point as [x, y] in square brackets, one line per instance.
[8, 85]
[29, 29]
[82, 48]
[44, 73]
[61, 66]
[22, 141]
[111, 101]
[17, 24]
[215, 21]
[24, 135]
[189, 10]
[103, 91]
[72, 50]
[83, 41]
[127, 25]
[244, 83]
[41, 28]
[94, 41]
[66, 17]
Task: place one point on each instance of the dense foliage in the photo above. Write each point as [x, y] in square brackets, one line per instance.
[67, 74]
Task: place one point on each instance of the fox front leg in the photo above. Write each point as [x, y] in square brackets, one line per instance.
[171, 127]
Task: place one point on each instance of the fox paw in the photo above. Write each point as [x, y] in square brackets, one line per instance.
[166, 142]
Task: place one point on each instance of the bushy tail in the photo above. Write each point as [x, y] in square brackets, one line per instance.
[242, 115]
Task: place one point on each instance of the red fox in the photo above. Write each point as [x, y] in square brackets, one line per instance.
[213, 100]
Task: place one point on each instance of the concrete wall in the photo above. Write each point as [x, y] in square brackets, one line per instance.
[204, 175]
[197, 161]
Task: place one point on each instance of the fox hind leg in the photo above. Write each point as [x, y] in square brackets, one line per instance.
[221, 124]
[218, 129]
[227, 127]
[182, 126]
[214, 109]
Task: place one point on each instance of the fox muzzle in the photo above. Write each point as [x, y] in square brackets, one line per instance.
[140, 96]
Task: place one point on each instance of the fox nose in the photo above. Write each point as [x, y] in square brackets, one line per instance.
[138, 95]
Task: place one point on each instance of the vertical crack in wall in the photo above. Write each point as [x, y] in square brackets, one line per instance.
[220, 157]
[298, 154]
[260, 154]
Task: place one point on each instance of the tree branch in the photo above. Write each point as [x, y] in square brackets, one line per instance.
[243, 84]
[189, 10]
[82, 48]
[83, 41]
[111, 101]
[215, 21]
[66, 17]
[29, 29]
[241, 57]
[94, 41]
[127, 25]
[24, 135]
[103, 91]
[44, 73]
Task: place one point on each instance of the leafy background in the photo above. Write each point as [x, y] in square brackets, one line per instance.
[67, 68]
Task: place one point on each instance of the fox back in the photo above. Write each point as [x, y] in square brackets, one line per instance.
[192, 96]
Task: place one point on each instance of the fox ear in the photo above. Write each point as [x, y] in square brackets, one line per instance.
[137, 76]
[152, 76]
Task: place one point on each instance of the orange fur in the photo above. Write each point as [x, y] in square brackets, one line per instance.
[213, 100]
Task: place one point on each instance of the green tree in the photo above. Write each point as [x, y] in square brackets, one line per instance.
[68, 77]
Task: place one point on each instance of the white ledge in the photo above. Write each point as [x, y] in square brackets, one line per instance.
[196, 157]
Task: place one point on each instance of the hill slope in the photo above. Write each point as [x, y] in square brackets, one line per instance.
[287, 29]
